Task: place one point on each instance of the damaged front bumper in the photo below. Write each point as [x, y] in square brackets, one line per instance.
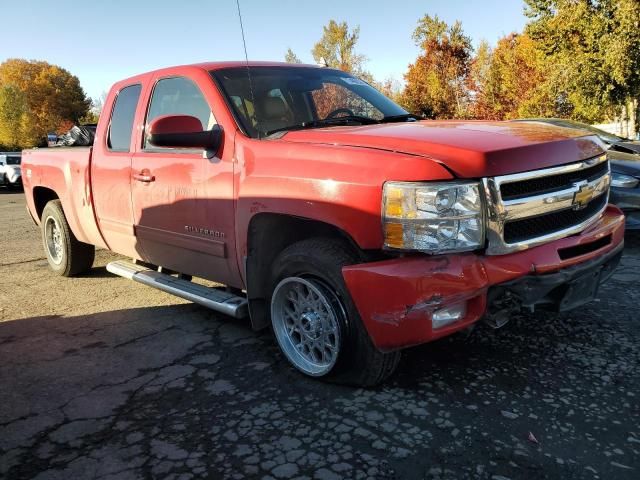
[397, 299]
[564, 290]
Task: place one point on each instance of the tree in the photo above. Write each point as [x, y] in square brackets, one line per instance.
[13, 116]
[336, 49]
[436, 84]
[93, 115]
[391, 88]
[511, 81]
[594, 46]
[53, 99]
[479, 83]
[291, 57]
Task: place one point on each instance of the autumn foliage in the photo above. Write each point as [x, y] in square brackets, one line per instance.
[575, 58]
[510, 81]
[435, 83]
[448, 81]
[37, 98]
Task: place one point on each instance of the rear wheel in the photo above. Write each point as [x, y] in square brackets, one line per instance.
[314, 320]
[66, 255]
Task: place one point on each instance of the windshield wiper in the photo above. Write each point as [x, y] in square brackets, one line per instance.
[400, 118]
[327, 122]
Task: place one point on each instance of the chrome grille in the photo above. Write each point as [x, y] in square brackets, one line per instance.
[531, 208]
[549, 184]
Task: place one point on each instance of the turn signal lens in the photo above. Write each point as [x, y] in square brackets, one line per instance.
[394, 235]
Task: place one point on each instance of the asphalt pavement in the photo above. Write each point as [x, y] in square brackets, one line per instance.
[103, 378]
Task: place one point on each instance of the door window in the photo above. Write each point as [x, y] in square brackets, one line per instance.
[122, 116]
[179, 96]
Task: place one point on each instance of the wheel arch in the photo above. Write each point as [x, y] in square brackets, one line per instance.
[267, 235]
[42, 196]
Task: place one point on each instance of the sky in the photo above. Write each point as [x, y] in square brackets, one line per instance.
[102, 42]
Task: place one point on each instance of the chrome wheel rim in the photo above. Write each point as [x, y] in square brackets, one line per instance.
[53, 239]
[306, 320]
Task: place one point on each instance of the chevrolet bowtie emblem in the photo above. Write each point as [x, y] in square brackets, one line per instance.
[583, 196]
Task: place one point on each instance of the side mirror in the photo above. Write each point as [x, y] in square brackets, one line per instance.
[183, 131]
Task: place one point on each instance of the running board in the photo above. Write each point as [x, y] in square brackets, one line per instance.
[212, 298]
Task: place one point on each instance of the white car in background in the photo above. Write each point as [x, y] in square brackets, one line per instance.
[10, 174]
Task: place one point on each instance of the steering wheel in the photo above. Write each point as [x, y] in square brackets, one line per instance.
[338, 111]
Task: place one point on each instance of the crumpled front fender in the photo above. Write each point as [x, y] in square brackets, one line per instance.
[396, 298]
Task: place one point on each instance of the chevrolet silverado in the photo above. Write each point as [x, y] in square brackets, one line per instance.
[349, 226]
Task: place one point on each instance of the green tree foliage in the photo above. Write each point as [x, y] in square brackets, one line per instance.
[480, 82]
[511, 81]
[391, 88]
[593, 47]
[436, 84]
[13, 117]
[291, 57]
[48, 97]
[336, 49]
[93, 115]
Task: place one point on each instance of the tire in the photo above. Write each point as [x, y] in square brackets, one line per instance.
[67, 256]
[311, 271]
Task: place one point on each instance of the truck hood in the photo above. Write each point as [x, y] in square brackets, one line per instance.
[468, 149]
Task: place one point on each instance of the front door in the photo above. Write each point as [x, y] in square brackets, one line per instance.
[182, 200]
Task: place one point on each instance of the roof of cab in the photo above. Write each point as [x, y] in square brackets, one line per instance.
[231, 64]
[216, 66]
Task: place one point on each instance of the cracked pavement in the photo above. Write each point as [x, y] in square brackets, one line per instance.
[104, 378]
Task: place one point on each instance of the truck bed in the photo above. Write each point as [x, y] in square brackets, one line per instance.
[67, 172]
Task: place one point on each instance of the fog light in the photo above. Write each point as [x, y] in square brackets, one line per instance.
[447, 315]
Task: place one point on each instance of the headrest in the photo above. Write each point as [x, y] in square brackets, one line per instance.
[273, 107]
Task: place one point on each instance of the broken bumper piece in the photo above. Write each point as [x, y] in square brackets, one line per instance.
[416, 299]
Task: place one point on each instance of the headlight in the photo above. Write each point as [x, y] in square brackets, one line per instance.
[433, 217]
[623, 181]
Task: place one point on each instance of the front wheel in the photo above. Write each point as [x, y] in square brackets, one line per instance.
[67, 256]
[314, 320]
[307, 317]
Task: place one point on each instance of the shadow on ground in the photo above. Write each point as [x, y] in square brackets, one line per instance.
[177, 391]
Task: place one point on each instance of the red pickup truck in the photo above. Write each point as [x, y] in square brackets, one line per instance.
[350, 226]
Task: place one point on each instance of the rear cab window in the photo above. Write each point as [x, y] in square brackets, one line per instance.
[122, 118]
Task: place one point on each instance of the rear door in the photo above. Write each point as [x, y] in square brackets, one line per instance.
[111, 170]
[183, 201]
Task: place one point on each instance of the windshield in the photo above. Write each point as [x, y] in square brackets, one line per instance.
[290, 97]
[13, 160]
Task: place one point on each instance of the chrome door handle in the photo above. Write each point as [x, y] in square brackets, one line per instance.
[144, 177]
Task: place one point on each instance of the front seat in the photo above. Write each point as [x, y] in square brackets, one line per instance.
[272, 113]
